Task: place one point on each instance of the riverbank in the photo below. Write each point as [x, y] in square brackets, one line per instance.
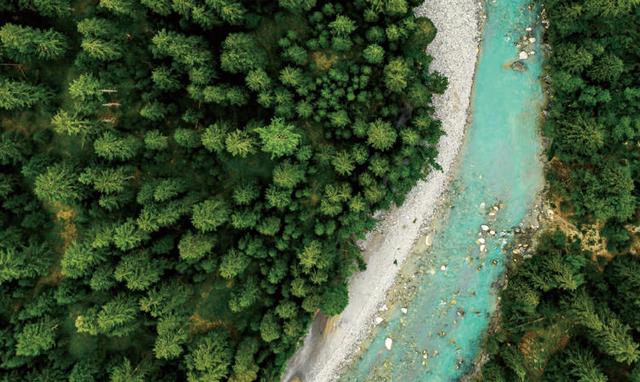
[332, 342]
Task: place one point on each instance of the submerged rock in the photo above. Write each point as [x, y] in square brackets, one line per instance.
[388, 343]
[519, 66]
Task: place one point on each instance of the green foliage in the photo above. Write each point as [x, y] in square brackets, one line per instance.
[23, 43]
[279, 138]
[57, 184]
[396, 75]
[381, 135]
[334, 300]
[240, 54]
[36, 338]
[209, 215]
[194, 247]
[576, 307]
[209, 359]
[16, 95]
[182, 181]
[593, 75]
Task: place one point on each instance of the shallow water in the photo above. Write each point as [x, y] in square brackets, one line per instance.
[440, 335]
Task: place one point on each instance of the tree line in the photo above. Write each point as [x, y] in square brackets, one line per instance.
[183, 182]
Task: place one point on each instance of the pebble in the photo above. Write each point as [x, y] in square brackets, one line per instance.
[404, 310]
[379, 320]
[481, 240]
[483, 248]
[523, 55]
[532, 39]
[484, 227]
[529, 29]
[388, 343]
[383, 308]
[443, 267]
[492, 232]
[427, 240]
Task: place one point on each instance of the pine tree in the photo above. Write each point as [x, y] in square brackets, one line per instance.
[195, 247]
[125, 372]
[63, 123]
[209, 359]
[172, 335]
[279, 138]
[396, 75]
[118, 316]
[58, 184]
[240, 54]
[79, 260]
[23, 44]
[139, 270]
[207, 216]
[113, 147]
[381, 135]
[36, 338]
[16, 95]
[270, 329]
[239, 143]
[584, 366]
[287, 174]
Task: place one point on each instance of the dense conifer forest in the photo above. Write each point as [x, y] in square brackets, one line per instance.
[182, 182]
[569, 313]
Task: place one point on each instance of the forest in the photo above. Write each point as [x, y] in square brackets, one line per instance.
[183, 182]
[569, 313]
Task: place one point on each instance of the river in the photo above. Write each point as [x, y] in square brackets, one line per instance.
[436, 320]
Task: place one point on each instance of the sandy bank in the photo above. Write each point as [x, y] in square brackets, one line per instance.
[454, 49]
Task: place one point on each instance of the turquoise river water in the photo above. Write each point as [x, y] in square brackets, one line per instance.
[449, 308]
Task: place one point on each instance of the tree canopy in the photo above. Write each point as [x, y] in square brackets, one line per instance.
[182, 183]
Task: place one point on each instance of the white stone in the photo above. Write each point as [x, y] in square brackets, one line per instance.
[523, 55]
[483, 248]
[492, 232]
[388, 343]
[532, 39]
[383, 308]
[529, 29]
[484, 227]
[379, 320]
[404, 310]
[481, 240]
[443, 267]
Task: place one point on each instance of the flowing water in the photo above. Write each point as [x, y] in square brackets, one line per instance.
[452, 298]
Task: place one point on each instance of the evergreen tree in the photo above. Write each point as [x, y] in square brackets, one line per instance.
[36, 338]
[23, 44]
[16, 95]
